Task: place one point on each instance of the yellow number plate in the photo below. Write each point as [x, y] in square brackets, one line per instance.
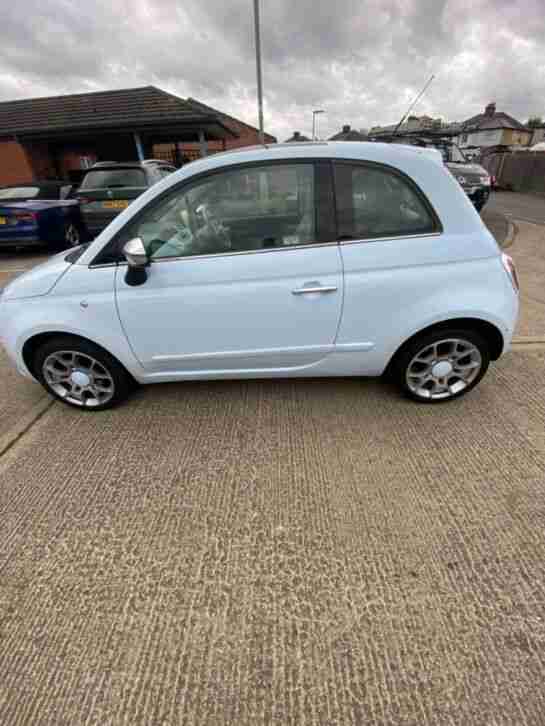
[116, 204]
[3, 220]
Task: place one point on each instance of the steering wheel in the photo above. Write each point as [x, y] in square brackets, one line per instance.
[213, 233]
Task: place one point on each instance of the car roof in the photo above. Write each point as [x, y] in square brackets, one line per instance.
[397, 155]
[128, 164]
[110, 164]
[41, 183]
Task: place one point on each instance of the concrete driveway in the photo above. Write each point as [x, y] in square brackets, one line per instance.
[528, 251]
[277, 552]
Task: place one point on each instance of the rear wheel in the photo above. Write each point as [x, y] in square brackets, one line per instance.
[441, 366]
[81, 374]
[71, 237]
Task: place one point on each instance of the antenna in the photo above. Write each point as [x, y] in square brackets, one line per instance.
[413, 104]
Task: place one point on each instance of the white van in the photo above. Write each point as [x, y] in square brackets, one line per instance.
[313, 259]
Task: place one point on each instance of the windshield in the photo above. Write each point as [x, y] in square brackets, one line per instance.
[19, 193]
[112, 178]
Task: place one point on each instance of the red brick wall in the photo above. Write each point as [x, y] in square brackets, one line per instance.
[15, 165]
[247, 136]
[70, 159]
[40, 160]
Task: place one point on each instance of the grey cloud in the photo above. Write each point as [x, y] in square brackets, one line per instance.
[361, 60]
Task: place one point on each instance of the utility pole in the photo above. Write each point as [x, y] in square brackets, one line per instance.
[318, 110]
[258, 68]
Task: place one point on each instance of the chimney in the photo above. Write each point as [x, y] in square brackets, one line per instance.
[346, 128]
[490, 110]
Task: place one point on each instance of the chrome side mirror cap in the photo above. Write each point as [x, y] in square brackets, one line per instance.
[137, 260]
[135, 253]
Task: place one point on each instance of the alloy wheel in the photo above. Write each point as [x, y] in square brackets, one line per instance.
[78, 378]
[443, 369]
[71, 235]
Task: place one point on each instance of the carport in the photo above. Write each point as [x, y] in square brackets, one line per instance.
[61, 136]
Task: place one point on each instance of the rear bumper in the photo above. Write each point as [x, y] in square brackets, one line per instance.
[33, 240]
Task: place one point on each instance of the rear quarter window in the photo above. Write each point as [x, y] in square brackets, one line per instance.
[375, 201]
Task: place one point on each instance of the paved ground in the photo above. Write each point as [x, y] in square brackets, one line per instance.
[524, 207]
[528, 252]
[313, 552]
[18, 397]
[497, 223]
[285, 552]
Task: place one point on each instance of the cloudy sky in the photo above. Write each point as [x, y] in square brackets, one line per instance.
[362, 61]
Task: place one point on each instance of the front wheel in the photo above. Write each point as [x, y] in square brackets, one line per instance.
[441, 366]
[81, 374]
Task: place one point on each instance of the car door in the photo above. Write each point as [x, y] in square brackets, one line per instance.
[393, 262]
[244, 276]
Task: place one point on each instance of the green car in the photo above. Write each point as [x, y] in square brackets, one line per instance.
[109, 187]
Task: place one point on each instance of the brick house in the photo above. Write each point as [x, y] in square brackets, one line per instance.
[58, 137]
[493, 128]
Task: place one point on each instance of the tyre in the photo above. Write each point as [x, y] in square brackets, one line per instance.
[71, 237]
[438, 367]
[81, 374]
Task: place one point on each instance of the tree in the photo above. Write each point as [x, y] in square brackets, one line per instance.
[534, 122]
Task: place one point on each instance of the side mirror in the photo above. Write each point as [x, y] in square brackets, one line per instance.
[135, 253]
[137, 260]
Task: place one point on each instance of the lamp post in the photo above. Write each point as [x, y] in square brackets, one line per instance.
[314, 113]
[258, 69]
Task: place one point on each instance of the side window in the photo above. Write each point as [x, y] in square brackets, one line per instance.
[244, 210]
[375, 202]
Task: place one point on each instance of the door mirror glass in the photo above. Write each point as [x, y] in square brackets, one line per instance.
[135, 253]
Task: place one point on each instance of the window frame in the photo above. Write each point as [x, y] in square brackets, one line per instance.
[324, 210]
[423, 198]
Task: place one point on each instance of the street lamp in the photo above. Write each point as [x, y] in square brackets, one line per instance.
[314, 113]
[258, 69]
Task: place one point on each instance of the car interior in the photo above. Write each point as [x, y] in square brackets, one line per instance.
[236, 211]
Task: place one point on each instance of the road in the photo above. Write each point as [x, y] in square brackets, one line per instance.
[528, 213]
[524, 207]
[277, 552]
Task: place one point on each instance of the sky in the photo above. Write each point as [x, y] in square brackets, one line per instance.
[361, 61]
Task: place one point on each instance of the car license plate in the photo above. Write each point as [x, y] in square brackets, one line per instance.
[3, 220]
[116, 204]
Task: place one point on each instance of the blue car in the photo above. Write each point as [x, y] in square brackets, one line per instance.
[40, 214]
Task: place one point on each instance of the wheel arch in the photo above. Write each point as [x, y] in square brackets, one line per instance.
[31, 345]
[490, 332]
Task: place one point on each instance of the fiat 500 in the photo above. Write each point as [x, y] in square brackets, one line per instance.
[319, 259]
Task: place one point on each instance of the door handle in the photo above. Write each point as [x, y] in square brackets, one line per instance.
[308, 290]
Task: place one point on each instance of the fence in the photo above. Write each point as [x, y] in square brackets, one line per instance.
[522, 171]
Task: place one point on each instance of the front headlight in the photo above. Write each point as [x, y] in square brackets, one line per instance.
[485, 181]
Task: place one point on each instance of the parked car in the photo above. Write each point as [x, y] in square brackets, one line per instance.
[346, 259]
[472, 177]
[109, 187]
[40, 213]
